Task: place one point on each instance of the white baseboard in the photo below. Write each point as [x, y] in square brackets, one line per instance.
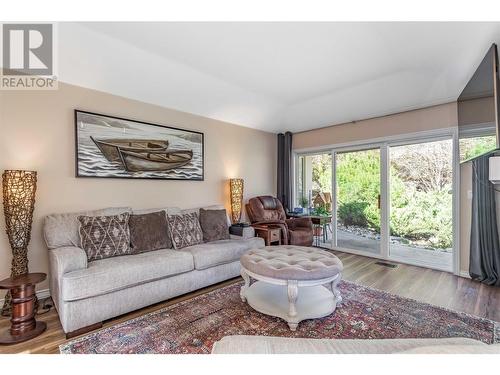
[464, 274]
[41, 294]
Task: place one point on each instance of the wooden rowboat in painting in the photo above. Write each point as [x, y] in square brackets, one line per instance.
[110, 148]
[154, 161]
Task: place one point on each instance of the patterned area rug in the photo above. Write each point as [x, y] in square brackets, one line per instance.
[194, 325]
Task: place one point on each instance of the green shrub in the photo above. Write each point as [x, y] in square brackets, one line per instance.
[353, 213]
[421, 216]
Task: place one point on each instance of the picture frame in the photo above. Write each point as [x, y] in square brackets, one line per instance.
[108, 146]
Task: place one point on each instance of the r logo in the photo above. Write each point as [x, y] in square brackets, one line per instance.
[27, 49]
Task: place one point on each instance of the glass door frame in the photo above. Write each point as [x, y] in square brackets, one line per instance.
[383, 251]
[384, 145]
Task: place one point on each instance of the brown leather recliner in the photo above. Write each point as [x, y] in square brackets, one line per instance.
[267, 210]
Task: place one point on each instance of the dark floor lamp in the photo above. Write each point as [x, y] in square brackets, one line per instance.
[19, 189]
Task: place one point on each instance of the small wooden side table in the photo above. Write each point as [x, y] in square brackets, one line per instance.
[23, 324]
[270, 234]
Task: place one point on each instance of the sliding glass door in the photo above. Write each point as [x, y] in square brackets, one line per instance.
[392, 201]
[421, 204]
[358, 200]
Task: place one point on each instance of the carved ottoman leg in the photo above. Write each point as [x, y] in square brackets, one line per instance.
[245, 286]
[335, 290]
[293, 292]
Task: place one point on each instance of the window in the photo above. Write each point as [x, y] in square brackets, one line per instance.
[314, 181]
[471, 147]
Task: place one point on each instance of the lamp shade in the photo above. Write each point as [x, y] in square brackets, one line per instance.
[19, 189]
[236, 189]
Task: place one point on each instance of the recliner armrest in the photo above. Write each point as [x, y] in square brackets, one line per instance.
[269, 222]
[299, 223]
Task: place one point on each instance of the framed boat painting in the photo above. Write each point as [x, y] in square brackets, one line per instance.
[114, 147]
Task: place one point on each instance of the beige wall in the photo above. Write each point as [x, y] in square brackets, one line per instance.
[476, 112]
[441, 116]
[37, 133]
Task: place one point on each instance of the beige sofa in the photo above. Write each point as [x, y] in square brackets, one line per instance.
[87, 293]
[284, 345]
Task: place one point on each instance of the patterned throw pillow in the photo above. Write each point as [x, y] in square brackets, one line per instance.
[105, 236]
[184, 230]
[214, 225]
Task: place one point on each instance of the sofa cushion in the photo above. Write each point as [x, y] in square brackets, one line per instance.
[240, 344]
[184, 230]
[214, 225]
[149, 232]
[454, 349]
[112, 274]
[62, 229]
[211, 254]
[105, 236]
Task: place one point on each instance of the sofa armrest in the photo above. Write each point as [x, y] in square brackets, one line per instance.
[63, 260]
[299, 223]
[68, 258]
[247, 232]
[269, 222]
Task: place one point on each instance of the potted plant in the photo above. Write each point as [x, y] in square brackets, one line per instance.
[320, 211]
[304, 202]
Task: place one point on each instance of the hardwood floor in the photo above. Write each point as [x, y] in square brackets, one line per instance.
[435, 287]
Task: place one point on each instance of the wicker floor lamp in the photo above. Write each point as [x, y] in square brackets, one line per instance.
[236, 189]
[19, 189]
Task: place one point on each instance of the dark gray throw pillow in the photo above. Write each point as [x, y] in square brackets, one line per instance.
[214, 225]
[149, 232]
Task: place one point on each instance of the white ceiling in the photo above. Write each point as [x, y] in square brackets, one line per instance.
[277, 76]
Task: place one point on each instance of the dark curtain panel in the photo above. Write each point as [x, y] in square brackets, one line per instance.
[285, 170]
[484, 242]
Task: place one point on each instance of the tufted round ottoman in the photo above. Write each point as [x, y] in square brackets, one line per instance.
[290, 282]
